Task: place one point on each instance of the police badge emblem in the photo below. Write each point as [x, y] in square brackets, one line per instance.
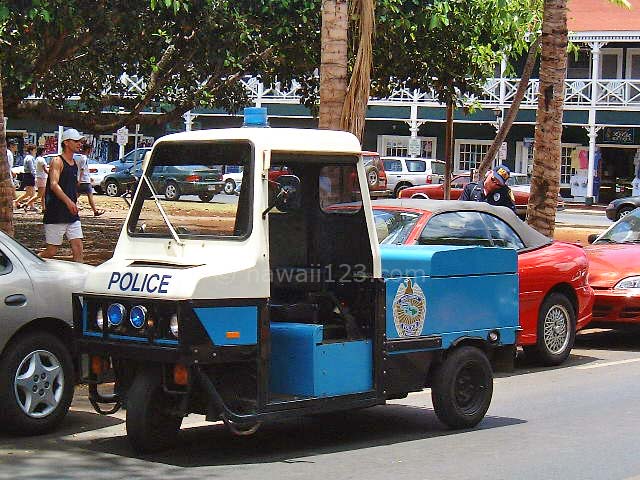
[409, 309]
[496, 197]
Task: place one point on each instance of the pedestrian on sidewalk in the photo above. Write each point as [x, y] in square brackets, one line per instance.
[61, 194]
[28, 179]
[12, 148]
[84, 180]
[42, 172]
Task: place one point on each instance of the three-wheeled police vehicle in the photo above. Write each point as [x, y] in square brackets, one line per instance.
[279, 302]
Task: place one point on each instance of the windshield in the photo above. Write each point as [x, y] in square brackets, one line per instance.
[625, 230]
[182, 193]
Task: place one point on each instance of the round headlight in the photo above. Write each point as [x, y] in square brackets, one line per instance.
[173, 325]
[138, 316]
[99, 319]
[115, 314]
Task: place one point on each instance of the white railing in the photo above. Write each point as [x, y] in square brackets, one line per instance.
[497, 92]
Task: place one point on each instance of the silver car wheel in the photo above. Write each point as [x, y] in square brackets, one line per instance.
[39, 384]
[112, 189]
[556, 329]
[229, 187]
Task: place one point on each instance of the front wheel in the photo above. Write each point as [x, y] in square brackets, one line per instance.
[624, 211]
[36, 384]
[462, 388]
[556, 331]
[399, 188]
[151, 424]
[171, 191]
[112, 189]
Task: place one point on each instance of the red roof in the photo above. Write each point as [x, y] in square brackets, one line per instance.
[602, 15]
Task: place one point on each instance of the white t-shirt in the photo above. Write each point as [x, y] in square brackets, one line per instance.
[28, 165]
[10, 158]
[40, 171]
[83, 168]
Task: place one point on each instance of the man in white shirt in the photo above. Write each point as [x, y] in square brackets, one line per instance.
[12, 148]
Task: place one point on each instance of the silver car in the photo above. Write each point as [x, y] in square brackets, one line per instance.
[36, 367]
[406, 172]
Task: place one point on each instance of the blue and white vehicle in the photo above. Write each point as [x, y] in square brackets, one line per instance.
[283, 304]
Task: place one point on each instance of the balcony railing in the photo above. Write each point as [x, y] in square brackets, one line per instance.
[497, 92]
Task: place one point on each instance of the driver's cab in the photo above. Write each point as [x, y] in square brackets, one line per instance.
[292, 260]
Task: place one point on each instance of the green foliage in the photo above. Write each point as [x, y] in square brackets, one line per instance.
[452, 46]
[189, 53]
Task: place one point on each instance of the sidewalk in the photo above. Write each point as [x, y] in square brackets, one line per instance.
[582, 208]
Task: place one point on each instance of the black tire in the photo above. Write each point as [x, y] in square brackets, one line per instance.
[399, 188]
[112, 189]
[150, 426]
[462, 388]
[50, 392]
[556, 331]
[229, 186]
[205, 197]
[171, 191]
[624, 210]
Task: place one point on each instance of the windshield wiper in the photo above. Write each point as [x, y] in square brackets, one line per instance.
[164, 215]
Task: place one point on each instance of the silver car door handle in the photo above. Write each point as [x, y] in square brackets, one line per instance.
[15, 300]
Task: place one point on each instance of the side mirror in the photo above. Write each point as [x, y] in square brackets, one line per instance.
[592, 238]
[288, 196]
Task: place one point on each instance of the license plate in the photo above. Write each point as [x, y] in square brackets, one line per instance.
[211, 187]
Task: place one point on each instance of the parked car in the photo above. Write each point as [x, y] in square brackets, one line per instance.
[171, 181]
[37, 375]
[620, 207]
[614, 272]
[231, 181]
[518, 182]
[376, 175]
[406, 172]
[555, 297]
[130, 159]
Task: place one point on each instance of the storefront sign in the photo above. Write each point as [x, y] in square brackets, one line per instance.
[620, 136]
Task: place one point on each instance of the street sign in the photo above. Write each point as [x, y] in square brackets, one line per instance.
[413, 148]
[502, 153]
[122, 136]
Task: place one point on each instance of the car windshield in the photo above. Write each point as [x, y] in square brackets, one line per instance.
[625, 230]
[179, 199]
[394, 226]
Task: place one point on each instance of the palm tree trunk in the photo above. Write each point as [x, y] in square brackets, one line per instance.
[545, 181]
[7, 192]
[333, 62]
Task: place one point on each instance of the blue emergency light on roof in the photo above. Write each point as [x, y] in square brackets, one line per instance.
[255, 117]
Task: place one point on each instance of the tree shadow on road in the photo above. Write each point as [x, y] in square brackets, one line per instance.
[293, 441]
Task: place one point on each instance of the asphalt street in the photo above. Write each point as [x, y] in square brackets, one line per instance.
[577, 421]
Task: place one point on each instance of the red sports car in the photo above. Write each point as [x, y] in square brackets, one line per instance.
[614, 272]
[555, 297]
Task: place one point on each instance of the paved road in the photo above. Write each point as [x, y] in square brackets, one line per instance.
[583, 218]
[579, 421]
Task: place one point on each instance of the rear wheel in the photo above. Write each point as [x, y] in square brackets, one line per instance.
[462, 388]
[112, 189]
[372, 176]
[399, 188]
[151, 426]
[229, 186]
[36, 384]
[205, 197]
[556, 331]
[171, 191]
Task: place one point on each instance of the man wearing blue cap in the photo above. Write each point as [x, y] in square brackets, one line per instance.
[494, 190]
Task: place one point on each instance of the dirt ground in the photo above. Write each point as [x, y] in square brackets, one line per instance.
[101, 233]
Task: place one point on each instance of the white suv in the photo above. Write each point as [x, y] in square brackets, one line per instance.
[407, 172]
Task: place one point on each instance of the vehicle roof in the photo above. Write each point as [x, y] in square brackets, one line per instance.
[531, 238]
[278, 139]
[413, 158]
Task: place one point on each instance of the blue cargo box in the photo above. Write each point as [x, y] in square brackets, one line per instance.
[450, 292]
[302, 365]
